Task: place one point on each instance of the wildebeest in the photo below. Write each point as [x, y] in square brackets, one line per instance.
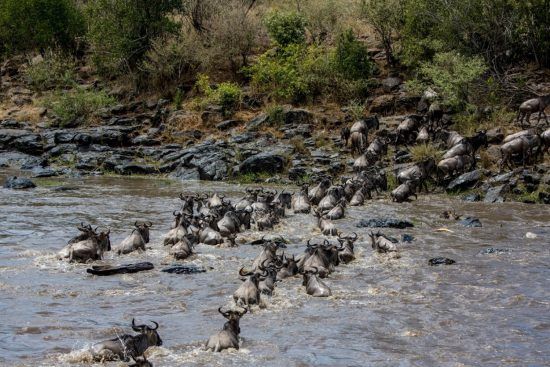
[451, 166]
[435, 114]
[523, 145]
[347, 254]
[228, 337]
[545, 141]
[530, 106]
[360, 195]
[423, 135]
[89, 249]
[289, 267]
[325, 225]
[178, 232]
[332, 197]
[338, 211]
[359, 142]
[404, 191]
[344, 136]
[300, 201]
[208, 235]
[229, 224]
[323, 256]
[314, 286]
[511, 137]
[381, 243]
[125, 346]
[267, 284]
[183, 248]
[137, 240]
[418, 172]
[268, 253]
[319, 191]
[249, 293]
[405, 130]
[284, 199]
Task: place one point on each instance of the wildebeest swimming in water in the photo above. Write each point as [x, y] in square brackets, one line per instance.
[228, 337]
[125, 346]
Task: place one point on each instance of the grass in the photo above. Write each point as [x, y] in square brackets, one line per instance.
[78, 103]
[54, 71]
[356, 110]
[275, 114]
[49, 182]
[297, 143]
[392, 181]
[421, 152]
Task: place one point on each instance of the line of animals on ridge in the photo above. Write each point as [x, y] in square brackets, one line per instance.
[213, 220]
[460, 152]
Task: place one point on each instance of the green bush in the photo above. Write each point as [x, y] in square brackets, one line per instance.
[34, 24]
[452, 76]
[351, 57]
[56, 70]
[286, 28]
[227, 95]
[120, 32]
[69, 106]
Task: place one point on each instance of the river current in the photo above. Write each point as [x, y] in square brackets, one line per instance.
[488, 309]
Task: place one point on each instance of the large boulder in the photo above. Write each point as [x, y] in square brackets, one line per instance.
[465, 181]
[496, 194]
[263, 162]
[135, 169]
[18, 183]
[383, 104]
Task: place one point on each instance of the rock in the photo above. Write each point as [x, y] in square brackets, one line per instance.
[65, 188]
[104, 270]
[31, 144]
[212, 115]
[135, 168]
[243, 138]
[34, 162]
[186, 174]
[407, 238]
[391, 83]
[502, 178]
[473, 197]
[441, 261]
[531, 235]
[227, 124]
[465, 181]
[544, 197]
[531, 177]
[18, 183]
[257, 122]
[383, 104]
[496, 194]
[297, 116]
[263, 162]
[495, 136]
[44, 172]
[384, 223]
[470, 222]
[184, 269]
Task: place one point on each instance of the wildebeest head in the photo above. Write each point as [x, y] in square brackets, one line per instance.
[153, 338]
[252, 276]
[143, 229]
[104, 240]
[86, 232]
[233, 318]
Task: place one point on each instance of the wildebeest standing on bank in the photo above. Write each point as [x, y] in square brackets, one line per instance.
[531, 106]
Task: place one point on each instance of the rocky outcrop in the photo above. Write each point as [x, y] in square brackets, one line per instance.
[18, 183]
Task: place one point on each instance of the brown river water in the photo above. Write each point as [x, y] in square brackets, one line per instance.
[486, 310]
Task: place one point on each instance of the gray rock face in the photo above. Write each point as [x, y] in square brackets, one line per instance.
[135, 169]
[18, 183]
[496, 194]
[465, 181]
[186, 174]
[391, 83]
[263, 162]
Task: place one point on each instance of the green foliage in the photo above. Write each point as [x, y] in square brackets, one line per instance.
[356, 110]
[452, 75]
[421, 152]
[351, 58]
[33, 24]
[178, 99]
[250, 178]
[77, 104]
[121, 31]
[275, 114]
[55, 70]
[286, 28]
[228, 95]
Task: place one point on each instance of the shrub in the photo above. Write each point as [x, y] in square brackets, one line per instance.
[286, 28]
[452, 75]
[33, 24]
[351, 58]
[228, 95]
[80, 103]
[121, 31]
[55, 70]
[421, 152]
[356, 110]
[275, 114]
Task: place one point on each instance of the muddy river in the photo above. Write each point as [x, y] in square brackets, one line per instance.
[485, 310]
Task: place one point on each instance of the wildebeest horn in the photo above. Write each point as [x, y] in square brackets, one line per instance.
[182, 197]
[242, 273]
[136, 224]
[156, 325]
[355, 236]
[175, 213]
[316, 270]
[224, 314]
[262, 266]
[148, 224]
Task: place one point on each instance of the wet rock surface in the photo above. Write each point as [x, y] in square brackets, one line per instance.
[384, 223]
[18, 183]
[465, 181]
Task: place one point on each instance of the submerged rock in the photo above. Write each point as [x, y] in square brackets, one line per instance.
[384, 223]
[441, 261]
[104, 270]
[18, 183]
[470, 222]
[263, 162]
[492, 250]
[184, 269]
[473, 197]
